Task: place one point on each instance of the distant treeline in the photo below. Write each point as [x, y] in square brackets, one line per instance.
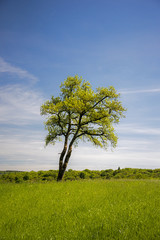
[51, 175]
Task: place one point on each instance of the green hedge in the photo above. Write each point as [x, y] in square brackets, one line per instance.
[51, 175]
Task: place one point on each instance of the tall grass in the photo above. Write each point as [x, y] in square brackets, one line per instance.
[115, 209]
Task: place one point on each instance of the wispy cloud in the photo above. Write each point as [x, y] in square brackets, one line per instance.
[24, 150]
[27, 152]
[142, 153]
[153, 90]
[21, 73]
[138, 130]
[19, 105]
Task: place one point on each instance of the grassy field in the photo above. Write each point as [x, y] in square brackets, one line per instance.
[97, 209]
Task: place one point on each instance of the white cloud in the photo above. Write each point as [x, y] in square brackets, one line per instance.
[19, 105]
[138, 129]
[21, 73]
[135, 153]
[24, 150]
[154, 90]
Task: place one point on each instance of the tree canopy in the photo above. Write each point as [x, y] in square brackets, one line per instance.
[80, 113]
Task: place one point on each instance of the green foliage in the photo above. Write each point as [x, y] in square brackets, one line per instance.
[81, 210]
[107, 173]
[83, 113]
[51, 175]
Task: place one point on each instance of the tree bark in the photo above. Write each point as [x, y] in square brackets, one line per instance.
[64, 165]
[61, 160]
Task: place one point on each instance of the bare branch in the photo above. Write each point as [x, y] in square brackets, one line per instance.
[90, 134]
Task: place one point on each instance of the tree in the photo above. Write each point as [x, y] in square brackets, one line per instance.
[81, 113]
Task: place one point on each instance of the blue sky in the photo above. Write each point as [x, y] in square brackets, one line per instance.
[107, 42]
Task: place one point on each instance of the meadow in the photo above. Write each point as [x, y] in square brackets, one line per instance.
[83, 209]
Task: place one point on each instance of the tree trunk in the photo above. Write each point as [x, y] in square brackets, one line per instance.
[60, 175]
[62, 168]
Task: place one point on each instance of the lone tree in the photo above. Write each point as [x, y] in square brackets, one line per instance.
[81, 113]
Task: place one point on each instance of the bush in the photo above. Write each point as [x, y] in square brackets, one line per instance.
[18, 179]
[26, 177]
[51, 175]
[84, 175]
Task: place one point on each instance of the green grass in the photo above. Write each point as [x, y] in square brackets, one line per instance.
[98, 209]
